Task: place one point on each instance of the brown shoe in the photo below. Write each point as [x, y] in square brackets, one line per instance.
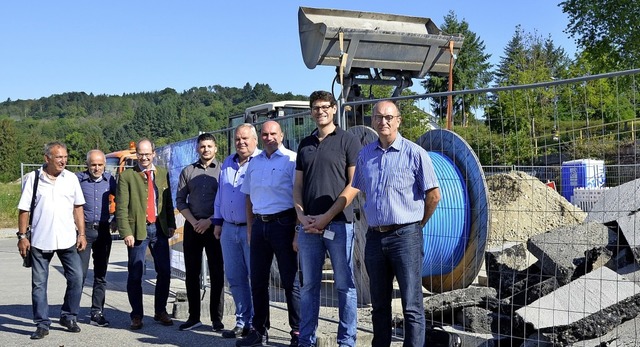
[163, 318]
[136, 323]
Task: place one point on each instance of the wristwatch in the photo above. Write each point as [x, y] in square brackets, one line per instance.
[21, 235]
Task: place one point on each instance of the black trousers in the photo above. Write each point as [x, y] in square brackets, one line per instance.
[193, 244]
[99, 243]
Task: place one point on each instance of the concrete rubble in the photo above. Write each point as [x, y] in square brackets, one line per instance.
[574, 284]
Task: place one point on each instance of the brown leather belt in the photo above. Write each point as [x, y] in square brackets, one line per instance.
[387, 228]
[266, 218]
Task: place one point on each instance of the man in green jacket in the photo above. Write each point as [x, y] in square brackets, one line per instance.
[144, 211]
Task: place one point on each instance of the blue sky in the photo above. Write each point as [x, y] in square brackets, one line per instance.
[115, 47]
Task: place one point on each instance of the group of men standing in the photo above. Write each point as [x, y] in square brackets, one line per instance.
[256, 205]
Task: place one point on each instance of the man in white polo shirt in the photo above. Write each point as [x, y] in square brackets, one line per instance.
[57, 227]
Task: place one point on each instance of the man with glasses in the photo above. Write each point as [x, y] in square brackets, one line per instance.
[401, 189]
[144, 211]
[322, 193]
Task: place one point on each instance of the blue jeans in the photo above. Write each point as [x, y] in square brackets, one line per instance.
[396, 253]
[235, 251]
[72, 267]
[99, 244]
[312, 249]
[158, 243]
[267, 239]
[192, 245]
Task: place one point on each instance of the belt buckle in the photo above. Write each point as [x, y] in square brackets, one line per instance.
[264, 218]
[96, 226]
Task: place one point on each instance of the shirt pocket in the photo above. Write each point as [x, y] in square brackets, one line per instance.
[400, 179]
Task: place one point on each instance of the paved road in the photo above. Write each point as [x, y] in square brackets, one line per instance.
[16, 323]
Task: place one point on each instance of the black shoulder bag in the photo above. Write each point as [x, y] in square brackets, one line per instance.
[26, 261]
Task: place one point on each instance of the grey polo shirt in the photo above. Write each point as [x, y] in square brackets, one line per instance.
[197, 188]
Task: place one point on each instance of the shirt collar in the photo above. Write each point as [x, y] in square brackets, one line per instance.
[86, 176]
[396, 144]
[335, 130]
[214, 163]
[42, 171]
[153, 168]
[255, 153]
[278, 152]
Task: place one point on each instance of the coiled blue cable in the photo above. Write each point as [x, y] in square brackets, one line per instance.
[447, 232]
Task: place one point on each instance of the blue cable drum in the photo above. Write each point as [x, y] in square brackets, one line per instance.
[455, 148]
[447, 232]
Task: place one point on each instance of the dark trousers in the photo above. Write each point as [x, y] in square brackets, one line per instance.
[267, 239]
[396, 253]
[99, 245]
[158, 244]
[192, 245]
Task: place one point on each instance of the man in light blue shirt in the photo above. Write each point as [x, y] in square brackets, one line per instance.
[271, 218]
[402, 193]
[230, 226]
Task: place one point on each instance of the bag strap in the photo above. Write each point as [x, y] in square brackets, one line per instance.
[33, 197]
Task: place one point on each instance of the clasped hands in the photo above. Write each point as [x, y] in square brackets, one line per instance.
[313, 224]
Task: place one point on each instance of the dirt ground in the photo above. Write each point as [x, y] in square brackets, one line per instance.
[522, 206]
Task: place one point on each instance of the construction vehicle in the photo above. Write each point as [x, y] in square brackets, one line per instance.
[119, 160]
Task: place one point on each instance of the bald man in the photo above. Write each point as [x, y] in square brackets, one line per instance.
[402, 192]
[268, 185]
[97, 185]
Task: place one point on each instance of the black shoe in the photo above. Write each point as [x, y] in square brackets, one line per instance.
[235, 333]
[71, 325]
[40, 333]
[254, 338]
[218, 326]
[190, 324]
[295, 338]
[98, 320]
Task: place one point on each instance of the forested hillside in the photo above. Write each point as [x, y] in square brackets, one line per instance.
[108, 122]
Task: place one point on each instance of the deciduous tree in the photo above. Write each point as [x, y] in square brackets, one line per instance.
[608, 30]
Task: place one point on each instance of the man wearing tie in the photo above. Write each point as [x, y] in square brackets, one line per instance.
[144, 211]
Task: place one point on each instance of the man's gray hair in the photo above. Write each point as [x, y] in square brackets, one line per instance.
[95, 151]
[51, 145]
[249, 126]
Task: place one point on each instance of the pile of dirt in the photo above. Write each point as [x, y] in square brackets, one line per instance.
[523, 206]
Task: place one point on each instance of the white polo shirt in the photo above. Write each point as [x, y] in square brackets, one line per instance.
[53, 225]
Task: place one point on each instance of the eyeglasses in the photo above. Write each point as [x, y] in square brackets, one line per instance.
[378, 118]
[142, 155]
[323, 108]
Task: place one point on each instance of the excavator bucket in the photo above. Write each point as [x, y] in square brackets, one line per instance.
[374, 40]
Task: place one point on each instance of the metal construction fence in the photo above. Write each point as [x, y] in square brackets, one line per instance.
[554, 274]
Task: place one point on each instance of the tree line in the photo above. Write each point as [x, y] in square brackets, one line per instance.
[109, 122]
[503, 128]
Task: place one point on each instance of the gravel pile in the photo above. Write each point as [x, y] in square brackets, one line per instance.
[523, 206]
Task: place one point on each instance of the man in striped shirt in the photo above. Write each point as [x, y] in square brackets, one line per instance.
[401, 189]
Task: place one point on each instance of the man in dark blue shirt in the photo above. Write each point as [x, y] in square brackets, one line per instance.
[97, 185]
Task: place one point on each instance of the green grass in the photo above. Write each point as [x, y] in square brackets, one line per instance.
[9, 196]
